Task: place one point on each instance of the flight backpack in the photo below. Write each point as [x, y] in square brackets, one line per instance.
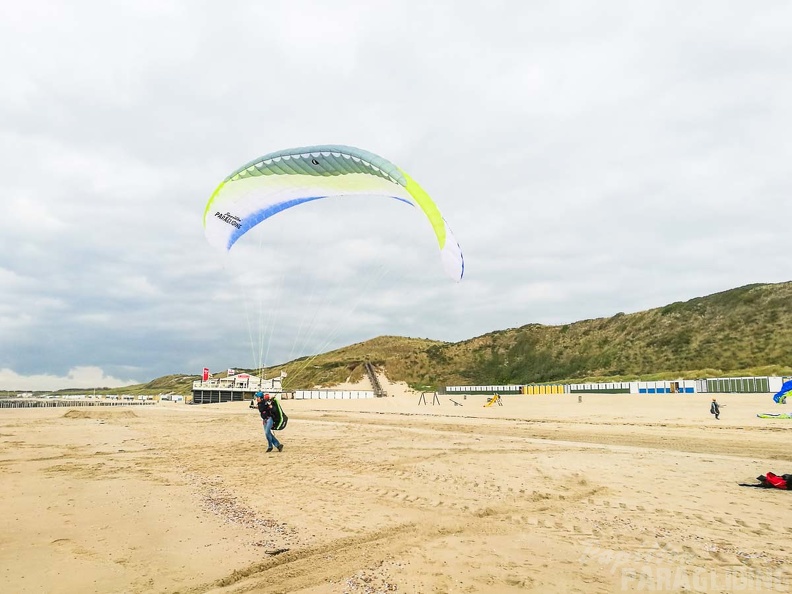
[779, 482]
[279, 418]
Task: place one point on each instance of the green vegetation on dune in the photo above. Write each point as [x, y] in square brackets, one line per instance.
[736, 332]
[744, 331]
[402, 359]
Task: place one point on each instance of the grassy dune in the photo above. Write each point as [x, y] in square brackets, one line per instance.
[743, 331]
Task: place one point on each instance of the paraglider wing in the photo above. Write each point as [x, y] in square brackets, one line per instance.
[284, 179]
[782, 394]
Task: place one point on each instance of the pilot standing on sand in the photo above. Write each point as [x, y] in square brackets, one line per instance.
[715, 408]
[265, 410]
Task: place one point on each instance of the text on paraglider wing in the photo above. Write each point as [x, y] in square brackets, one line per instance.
[229, 218]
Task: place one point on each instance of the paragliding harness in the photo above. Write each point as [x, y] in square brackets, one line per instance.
[279, 418]
[773, 481]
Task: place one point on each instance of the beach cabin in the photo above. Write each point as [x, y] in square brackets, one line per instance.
[664, 387]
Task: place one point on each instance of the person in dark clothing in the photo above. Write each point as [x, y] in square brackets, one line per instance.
[715, 408]
[265, 410]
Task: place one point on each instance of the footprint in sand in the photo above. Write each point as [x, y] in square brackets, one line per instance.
[690, 551]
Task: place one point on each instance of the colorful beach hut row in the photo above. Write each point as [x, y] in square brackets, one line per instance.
[499, 389]
[763, 385]
[543, 389]
[657, 387]
[744, 384]
[332, 394]
[505, 389]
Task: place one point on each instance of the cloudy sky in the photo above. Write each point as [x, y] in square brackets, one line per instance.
[591, 158]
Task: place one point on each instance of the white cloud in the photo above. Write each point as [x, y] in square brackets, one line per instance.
[78, 377]
[589, 159]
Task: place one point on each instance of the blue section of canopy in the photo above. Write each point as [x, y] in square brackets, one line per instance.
[262, 215]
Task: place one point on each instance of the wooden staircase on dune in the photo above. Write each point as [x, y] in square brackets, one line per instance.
[375, 383]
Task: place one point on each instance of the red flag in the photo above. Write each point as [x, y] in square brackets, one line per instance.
[205, 373]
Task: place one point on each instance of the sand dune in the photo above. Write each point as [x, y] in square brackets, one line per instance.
[544, 494]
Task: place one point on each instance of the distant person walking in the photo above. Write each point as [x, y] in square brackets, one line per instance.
[715, 408]
[266, 411]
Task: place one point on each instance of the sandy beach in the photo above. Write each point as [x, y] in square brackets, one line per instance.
[618, 493]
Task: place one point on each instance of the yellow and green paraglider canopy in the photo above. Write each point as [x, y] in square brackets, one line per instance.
[281, 180]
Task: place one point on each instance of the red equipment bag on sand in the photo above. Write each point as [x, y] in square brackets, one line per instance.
[779, 482]
[772, 481]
